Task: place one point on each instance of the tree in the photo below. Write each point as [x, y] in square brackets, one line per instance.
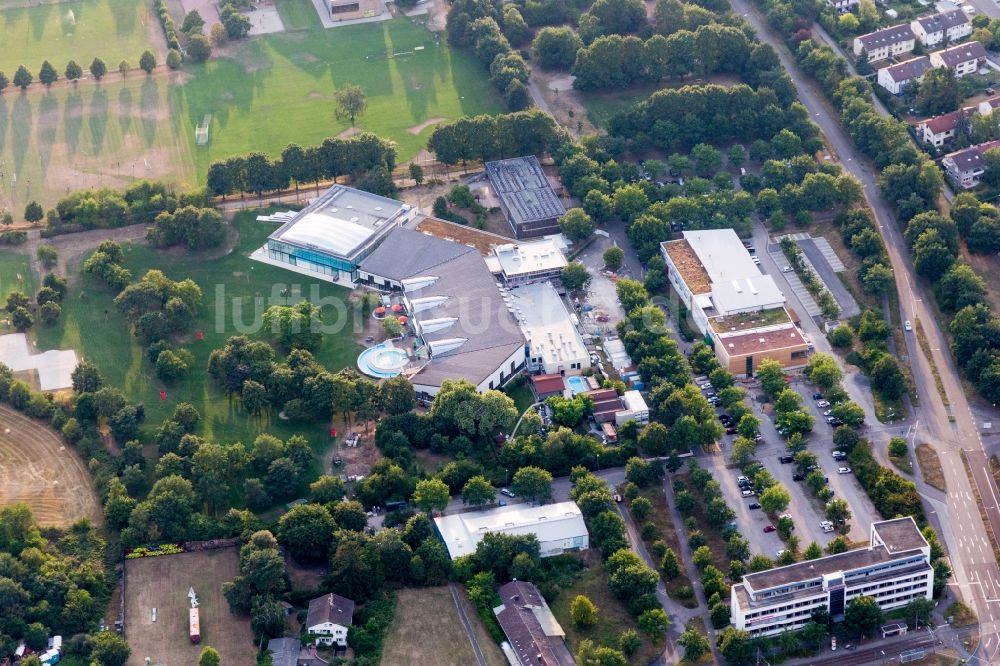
[33, 212]
[306, 532]
[670, 565]
[124, 67]
[49, 312]
[174, 59]
[920, 610]
[98, 69]
[654, 622]
[73, 71]
[47, 255]
[576, 225]
[4, 82]
[938, 92]
[209, 657]
[575, 276]
[532, 483]
[812, 551]
[235, 24]
[351, 103]
[838, 512]
[583, 611]
[193, 23]
[823, 371]
[772, 377]
[22, 319]
[862, 617]
[109, 649]
[431, 494]
[416, 173]
[695, 645]
[47, 74]
[556, 47]
[775, 499]
[147, 62]
[478, 491]
[22, 77]
[396, 396]
[199, 48]
[613, 257]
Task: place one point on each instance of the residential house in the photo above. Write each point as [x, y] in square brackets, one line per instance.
[896, 77]
[534, 636]
[965, 167]
[546, 386]
[962, 59]
[882, 44]
[988, 106]
[328, 619]
[844, 6]
[939, 130]
[943, 28]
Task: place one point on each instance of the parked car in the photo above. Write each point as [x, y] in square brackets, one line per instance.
[779, 552]
[747, 493]
[742, 479]
[617, 497]
[798, 477]
[817, 396]
[758, 438]
[753, 505]
[731, 430]
[784, 460]
[506, 492]
[907, 325]
[828, 412]
[839, 455]
[786, 269]
[769, 528]
[822, 403]
[843, 470]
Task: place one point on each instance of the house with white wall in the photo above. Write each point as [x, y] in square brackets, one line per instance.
[944, 28]
[328, 619]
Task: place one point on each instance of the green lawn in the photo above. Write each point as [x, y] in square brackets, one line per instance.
[80, 30]
[231, 285]
[16, 274]
[273, 90]
[298, 14]
[603, 105]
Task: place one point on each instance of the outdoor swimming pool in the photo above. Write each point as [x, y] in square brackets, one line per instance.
[382, 361]
[577, 384]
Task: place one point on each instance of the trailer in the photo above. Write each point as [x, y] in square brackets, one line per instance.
[194, 626]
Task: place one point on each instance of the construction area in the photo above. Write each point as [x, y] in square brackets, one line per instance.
[158, 609]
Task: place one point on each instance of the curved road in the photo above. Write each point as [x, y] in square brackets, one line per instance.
[951, 429]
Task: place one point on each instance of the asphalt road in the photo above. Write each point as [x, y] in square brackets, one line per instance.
[950, 428]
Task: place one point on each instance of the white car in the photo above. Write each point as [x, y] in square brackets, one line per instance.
[747, 493]
[907, 325]
[822, 403]
[828, 412]
[785, 515]
[843, 470]
[779, 552]
[786, 269]
[756, 260]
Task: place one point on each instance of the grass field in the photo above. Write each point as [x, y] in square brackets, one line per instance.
[80, 30]
[162, 583]
[427, 630]
[15, 274]
[228, 283]
[265, 93]
[38, 469]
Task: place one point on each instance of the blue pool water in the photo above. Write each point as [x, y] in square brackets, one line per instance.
[382, 361]
[577, 384]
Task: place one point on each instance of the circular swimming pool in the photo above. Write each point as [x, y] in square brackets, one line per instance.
[382, 361]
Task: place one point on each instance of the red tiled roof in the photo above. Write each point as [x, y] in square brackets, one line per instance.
[545, 384]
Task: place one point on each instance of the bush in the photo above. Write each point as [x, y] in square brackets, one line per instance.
[167, 23]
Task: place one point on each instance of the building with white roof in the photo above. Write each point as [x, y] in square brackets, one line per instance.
[554, 342]
[739, 310]
[559, 527]
[635, 409]
[528, 261]
[333, 234]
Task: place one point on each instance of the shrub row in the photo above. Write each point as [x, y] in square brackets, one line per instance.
[169, 30]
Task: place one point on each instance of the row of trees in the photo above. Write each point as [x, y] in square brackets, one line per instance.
[47, 74]
[105, 208]
[364, 157]
[493, 137]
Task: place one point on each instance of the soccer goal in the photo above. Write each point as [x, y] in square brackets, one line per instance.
[201, 131]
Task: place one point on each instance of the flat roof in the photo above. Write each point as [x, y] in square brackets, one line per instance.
[635, 402]
[722, 254]
[405, 253]
[483, 241]
[550, 522]
[340, 221]
[686, 262]
[534, 256]
[831, 564]
[900, 534]
[756, 292]
[525, 192]
[744, 321]
[778, 337]
[546, 324]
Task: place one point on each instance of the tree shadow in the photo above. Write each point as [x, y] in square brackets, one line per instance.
[149, 109]
[125, 17]
[39, 18]
[125, 110]
[72, 120]
[48, 125]
[4, 122]
[97, 119]
[21, 121]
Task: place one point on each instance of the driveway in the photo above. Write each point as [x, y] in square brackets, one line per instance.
[848, 306]
[751, 523]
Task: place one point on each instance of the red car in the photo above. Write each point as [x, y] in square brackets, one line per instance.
[769, 528]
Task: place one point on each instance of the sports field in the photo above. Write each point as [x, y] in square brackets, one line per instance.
[162, 583]
[15, 274]
[80, 30]
[234, 289]
[266, 92]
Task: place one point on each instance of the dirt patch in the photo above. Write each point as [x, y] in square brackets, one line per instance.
[563, 101]
[930, 466]
[162, 583]
[349, 132]
[38, 469]
[417, 129]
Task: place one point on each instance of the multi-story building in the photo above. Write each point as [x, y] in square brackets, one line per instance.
[963, 59]
[943, 28]
[966, 167]
[885, 43]
[896, 77]
[528, 261]
[939, 130]
[893, 569]
[526, 198]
